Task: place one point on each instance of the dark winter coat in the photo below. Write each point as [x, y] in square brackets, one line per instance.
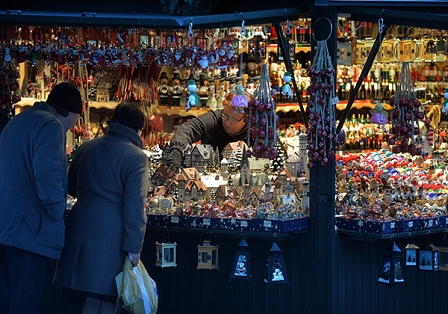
[109, 176]
[206, 128]
[33, 182]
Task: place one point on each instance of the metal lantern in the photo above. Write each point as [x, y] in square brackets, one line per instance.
[411, 254]
[443, 253]
[391, 271]
[428, 259]
[276, 266]
[166, 254]
[241, 268]
[207, 255]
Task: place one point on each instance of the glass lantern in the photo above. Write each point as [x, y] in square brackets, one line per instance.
[166, 254]
[443, 254]
[428, 259]
[276, 266]
[207, 255]
[411, 254]
[241, 267]
[391, 271]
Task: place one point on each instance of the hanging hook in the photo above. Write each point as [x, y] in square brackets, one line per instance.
[190, 30]
[243, 30]
[380, 25]
[288, 28]
[331, 27]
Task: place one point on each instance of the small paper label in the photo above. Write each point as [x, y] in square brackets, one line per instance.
[410, 223]
[334, 100]
[430, 223]
[243, 223]
[267, 223]
[174, 219]
[392, 225]
[206, 222]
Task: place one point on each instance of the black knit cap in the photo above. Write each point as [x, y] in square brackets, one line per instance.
[66, 96]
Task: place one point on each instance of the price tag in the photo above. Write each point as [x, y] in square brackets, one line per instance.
[206, 222]
[243, 223]
[430, 223]
[174, 219]
[267, 223]
[392, 225]
[334, 100]
[446, 221]
[410, 223]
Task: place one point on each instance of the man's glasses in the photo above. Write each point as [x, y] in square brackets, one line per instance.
[230, 119]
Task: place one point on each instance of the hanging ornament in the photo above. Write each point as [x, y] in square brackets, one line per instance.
[405, 115]
[193, 99]
[322, 107]
[240, 101]
[445, 102]
[262, 120]
[286, 88]
[379, 115]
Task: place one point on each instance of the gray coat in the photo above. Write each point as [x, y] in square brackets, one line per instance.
[33, 182]
[109, 176]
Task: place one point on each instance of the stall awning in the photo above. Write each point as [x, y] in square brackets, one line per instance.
[93, 19]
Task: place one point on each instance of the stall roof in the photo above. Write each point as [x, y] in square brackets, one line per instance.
[414, 17]
[94, 19]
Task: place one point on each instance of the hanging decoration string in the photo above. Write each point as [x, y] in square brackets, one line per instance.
[405, 115]
[262, 120]
[321, 132]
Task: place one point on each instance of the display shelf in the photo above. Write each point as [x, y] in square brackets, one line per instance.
[103, 104]
[232, 233]
[168, 111]
[24, 102]
[365, 236]
[361, 104]
[394, 229]
[357, 104]
[180, 111]
[231, 226]
[288, 107]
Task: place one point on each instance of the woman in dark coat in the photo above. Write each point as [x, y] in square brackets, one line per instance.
[109, 177]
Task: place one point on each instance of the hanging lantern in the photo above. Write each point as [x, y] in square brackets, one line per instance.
[166, 254]
[411, 254]
[207, 255]
[443, 251]
[276, 266]
[428, 259]
[391, 271]
[241, 268]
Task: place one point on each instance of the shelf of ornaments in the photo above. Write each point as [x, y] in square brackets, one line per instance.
[383, 195]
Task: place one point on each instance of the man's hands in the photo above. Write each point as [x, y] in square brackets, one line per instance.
[174, 162]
